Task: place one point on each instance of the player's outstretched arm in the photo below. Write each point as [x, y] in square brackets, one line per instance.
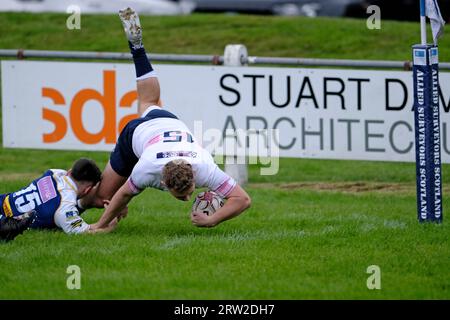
[237, 202]
[111, 226]
[116, 207]
[68, 219]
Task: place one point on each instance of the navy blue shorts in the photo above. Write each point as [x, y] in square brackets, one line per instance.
[122, 158]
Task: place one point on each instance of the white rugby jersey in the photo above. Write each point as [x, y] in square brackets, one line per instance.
[66, 216]
[161, 140]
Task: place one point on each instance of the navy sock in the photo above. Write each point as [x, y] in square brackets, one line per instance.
[141, 62]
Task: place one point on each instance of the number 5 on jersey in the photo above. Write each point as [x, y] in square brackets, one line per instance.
[177, 136]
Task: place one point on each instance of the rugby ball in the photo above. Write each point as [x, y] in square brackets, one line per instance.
[207, 202]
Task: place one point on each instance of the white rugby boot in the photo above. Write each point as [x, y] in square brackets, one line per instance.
[132, 27]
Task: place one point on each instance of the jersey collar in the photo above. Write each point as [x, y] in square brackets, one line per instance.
[71, 183]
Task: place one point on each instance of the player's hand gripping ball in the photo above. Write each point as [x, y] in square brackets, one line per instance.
[207, 202]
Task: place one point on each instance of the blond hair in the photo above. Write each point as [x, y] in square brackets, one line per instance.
[178, 175]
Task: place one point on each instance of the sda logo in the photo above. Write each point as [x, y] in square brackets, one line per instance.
[107, 99]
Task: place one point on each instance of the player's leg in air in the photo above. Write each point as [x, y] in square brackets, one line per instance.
[147, 82]
[148, 95]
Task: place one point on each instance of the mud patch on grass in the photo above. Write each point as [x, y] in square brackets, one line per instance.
[346, 187]
[14, 176]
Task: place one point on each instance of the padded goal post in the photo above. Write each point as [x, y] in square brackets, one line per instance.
[427, 133]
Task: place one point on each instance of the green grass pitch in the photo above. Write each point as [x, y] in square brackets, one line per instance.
[312, 230]
[309, 239]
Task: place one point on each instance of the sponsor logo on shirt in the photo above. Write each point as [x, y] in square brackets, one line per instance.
[7, 208]
[76, 224]
[46, 189]
[71, 215]
[171, 154]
